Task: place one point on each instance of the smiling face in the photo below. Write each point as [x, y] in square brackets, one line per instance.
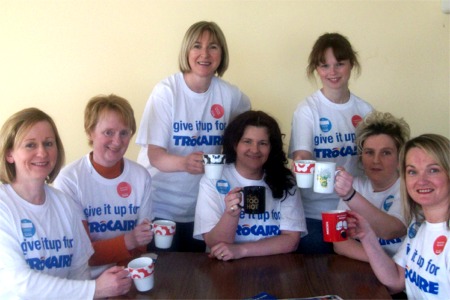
[334, 74]
[252, 152]
[35, 156]
[205, 56]
[110, 139]
[379, 158]
[427, 182]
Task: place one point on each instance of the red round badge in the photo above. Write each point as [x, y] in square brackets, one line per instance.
[124, 189]
[439, 244]
[355, 120]
[217, 111]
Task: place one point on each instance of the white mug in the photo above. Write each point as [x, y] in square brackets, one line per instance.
[141, 271]
[164, 231]
[213, 165]
[304, 173]
[324, 175]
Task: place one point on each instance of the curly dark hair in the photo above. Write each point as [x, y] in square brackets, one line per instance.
[278, 176]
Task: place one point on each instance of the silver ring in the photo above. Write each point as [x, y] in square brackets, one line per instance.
[221, 255]
[233, 208]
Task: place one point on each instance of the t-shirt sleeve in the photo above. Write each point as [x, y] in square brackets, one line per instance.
[209, 209]
[155, 127]
[302, 129]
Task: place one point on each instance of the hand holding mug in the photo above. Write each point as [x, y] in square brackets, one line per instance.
[343, 183]
[112, 282]
[358, 227]
[232, 202]
[141, 235]
[193, 163]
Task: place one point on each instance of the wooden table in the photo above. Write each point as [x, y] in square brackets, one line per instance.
[196, 276]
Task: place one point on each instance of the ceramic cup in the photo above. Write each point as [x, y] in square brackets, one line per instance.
[334, 225]
[141, 271]
[164, 231]
[304, 173]
[213, 165]
[253, 199]
[324, 175]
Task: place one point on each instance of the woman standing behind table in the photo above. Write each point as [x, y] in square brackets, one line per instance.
[323, 127]
[254, 153]
[112, 191]
[376, 196]
[44, 247]
[422, 264]
[184, 118]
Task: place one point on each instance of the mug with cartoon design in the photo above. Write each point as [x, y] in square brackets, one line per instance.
[324, 175]
[304, 173]
[334, 225]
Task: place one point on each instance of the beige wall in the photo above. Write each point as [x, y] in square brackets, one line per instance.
[57, 54]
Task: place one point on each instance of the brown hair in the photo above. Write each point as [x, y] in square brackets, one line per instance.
[342, 50]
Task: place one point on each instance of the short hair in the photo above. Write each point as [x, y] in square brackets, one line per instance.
[342, 50]
[191, 36]
[376, 123]
[277, 176]
[438, 147]
[13, 132]
[102, 103]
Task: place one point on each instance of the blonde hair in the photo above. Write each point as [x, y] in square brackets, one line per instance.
[378, 122]
[191, 36]
[438, 147]
[13, 132]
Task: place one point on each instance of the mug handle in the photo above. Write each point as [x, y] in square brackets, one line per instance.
[241, 206]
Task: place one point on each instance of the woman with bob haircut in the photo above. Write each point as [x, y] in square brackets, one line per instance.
[323, 127]
[184, 118]
[124, 203]
[422, 263]
[45, 248]
[253, 149]
[376, 196]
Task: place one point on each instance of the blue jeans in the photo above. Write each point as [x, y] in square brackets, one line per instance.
[313, 243]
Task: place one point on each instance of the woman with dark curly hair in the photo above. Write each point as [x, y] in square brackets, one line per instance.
[254, 153]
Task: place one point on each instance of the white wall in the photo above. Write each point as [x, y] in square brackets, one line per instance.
[55, 55]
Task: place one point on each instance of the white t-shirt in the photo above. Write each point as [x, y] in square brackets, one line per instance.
[279, 215]
[388, 201]
[182, 122]
[112, 207]
[327, 130]
[44, 248]
[425, 256]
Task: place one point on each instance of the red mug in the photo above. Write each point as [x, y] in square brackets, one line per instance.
[334, 225]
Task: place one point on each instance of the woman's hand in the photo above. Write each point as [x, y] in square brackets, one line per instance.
[193, 163]
[232, 202]
[358, 227]
[224, 251]
[113, 282]
[343, 183]
[141, 235]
